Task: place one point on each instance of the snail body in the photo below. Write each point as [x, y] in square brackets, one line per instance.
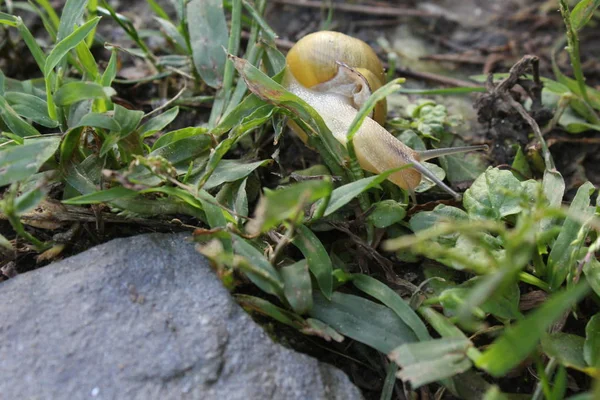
[335, 74]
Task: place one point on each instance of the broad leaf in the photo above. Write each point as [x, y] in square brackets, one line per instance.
[363, 320]
[258, 269]
[494, 195]
[317, 258]
[208, 36]
[231, 171]
[14, 122]
[387, 296]
[297, 286]
[433, 360]
[591, 348]
[21, 161]
[159, 122]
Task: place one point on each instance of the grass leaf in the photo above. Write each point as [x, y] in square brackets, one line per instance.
[31, 107]
[159, 122]
[14, 122]
[102, 196]
[68, 43]
[231, 171]
[559, 259]
[432, 360]
[277, 206]
[387, 296]
[582, 13]
[363, 320]
[208, 36]
[74, 92]
[267, 308]
[258, 269]
[318, 260]
[97, 120]
[519, 340]
[297, 286]
[591, 348]
[566, 348]
[72, 14]
[345, 194]
[21, 161]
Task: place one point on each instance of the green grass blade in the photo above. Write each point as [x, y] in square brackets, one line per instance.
[45, 4]
[318, 260]
[344, 194]
[583, 12]
[390, 382]
[297, 286]
[14, 122]
[173, 33]
[559, 260]
[369, 105]
[32, 45]
[159, 122]
[30, 107]
[519, 340]
[71, 16]
[209, 36]
[258, 269]
[224, 94]
[280, 205]
[591, 347]
[257, 16]
[256, 304]
[67, 44]
[231, 171]
[387, 296]
[110, 73]
[363, 320]
[97, 120]
[87, 61]
[73, 92]
[102, 196]
[20, 162]
[158, 10]
[9, 20]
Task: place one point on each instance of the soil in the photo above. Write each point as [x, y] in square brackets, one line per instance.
[438, 41]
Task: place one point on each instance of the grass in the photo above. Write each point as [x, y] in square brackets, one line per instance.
[318, 249]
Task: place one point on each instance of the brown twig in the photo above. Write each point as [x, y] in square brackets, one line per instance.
[364, 9]
[429, 76]
[53, 215]
[456, 58]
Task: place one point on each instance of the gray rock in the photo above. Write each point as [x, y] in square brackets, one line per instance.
[144, 318]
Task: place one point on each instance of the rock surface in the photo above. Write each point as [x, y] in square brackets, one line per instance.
[144, 318]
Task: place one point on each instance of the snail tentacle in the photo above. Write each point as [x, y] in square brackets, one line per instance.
[435, 153]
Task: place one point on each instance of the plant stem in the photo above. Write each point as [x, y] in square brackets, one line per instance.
[535, 281]
[573, 49]
[17, 225]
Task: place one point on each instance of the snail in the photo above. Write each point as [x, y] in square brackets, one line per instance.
[335, 74]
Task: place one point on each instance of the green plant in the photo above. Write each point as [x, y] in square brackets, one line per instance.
[303, 240]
